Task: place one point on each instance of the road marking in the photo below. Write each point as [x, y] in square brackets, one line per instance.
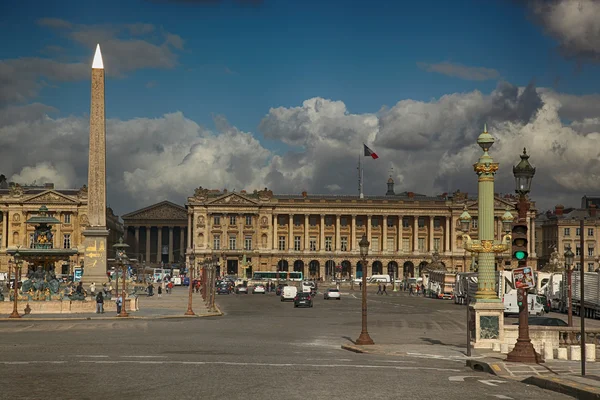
[495, 367]
[264, 364]
[143, 356]
[97, 356]
[328, 359]
[491, 382]
[501, 396]
[459, 378]
[31, 362]
[396, 361]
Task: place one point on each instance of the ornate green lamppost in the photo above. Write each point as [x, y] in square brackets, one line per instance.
[122, 259]
[489, 310]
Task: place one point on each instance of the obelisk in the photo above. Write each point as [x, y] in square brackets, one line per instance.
[96, 233]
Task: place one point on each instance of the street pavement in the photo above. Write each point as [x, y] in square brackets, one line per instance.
[260, 348]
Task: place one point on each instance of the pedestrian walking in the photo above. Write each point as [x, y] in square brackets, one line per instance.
[100, 303]
[119, 304]
[159, 291]
[384, 289]
[170, 286]
[93, 289]
[360, 285]
[410, 290]
[379, 289]
[150, 289]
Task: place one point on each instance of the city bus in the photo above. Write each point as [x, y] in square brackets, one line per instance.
[277, 275]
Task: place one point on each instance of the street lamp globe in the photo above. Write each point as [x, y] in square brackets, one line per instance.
[507, 220]
[523, 173]
[364, 246]
[569, 256]
[465, 220]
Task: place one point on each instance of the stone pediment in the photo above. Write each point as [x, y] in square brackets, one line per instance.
[49, 197]
[233, 199]
[161, 211]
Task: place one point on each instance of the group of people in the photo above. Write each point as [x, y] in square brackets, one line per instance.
[162, 285]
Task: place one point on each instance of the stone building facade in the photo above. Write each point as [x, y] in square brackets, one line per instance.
[157, 234]
[560, 228]
[317, 234]
[19, 203]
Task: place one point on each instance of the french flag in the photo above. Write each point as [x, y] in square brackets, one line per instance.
[369, 152]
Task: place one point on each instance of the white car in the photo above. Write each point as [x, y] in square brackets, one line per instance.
[259, 289]
[332, 294]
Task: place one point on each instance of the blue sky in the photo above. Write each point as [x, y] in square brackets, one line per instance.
[299, 86]
[239, 61]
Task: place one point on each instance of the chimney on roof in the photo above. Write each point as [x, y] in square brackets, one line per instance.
[304, 193]
[558, 210]
[48, 185]
[593, 210]
[411, 195]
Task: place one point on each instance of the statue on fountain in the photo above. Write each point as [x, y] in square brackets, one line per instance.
[40, 284]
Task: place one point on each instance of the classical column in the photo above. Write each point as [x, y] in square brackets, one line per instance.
[399, 238]
[531, 240]
[189, 232]
[181, 242]
[170, 244]
[451, 235]
[96, 234]
[431, 233]
[415, 234]
[447, 236]
[338, 246]
[384, 228]
[207, 223]
[291, 232]
[148, 233]
[4, 229]
[137, 240]
[159, 244]
[275, 238]
[58, 243]
[369, 238]
[499, 228]
[352, 241]
[322, 233]
[306, 232]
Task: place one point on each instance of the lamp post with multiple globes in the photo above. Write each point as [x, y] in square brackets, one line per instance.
[191, 267]
[122, 259]
[364, 338]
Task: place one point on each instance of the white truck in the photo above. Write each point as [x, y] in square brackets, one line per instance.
[441, 284]
[549, 284]
[591, 286]
[535, 306]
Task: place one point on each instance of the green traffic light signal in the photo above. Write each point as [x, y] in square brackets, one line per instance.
[520, 255]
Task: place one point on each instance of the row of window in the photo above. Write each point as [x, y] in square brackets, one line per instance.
[66, 241]
[590, 249]
[329, 221]
[312, 243]
[567, 231]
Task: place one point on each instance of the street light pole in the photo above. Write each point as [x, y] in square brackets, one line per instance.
[569, 256]
[212, 285]
[364, 338]
[15, 312]
[192, 261]
[523, 351]
[121, 257]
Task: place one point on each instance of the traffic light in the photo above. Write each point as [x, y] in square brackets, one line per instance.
[519, 241]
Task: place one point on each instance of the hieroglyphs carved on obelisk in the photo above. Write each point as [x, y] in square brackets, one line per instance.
[95, 233]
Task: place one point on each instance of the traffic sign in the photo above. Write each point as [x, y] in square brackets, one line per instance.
[523, 278]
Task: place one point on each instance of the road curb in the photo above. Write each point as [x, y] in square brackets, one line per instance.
[63, 319]
[354, 349]
[566, 386]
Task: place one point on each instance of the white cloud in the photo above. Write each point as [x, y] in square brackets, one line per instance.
[573, 23]
[430, 145]
[461, 71]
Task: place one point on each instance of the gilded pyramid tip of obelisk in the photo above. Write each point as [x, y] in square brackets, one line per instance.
[97, 63]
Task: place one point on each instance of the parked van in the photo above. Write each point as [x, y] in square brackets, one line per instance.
[379, 279]
[288, 293]
[535, 305]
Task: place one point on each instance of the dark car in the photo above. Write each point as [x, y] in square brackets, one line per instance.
[545, 321]
[303, 300]
[223, 289]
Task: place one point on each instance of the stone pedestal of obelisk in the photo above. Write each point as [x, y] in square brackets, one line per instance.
[96, 233]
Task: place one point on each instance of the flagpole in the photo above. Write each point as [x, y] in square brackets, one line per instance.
[360, 175]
